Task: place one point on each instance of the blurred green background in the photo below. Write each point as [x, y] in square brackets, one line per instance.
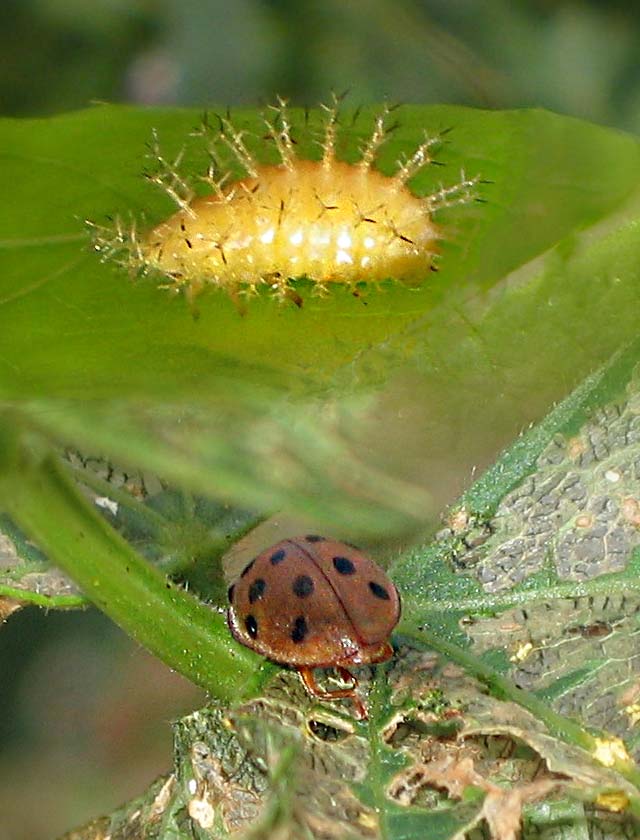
[577, 57]
[83, 713]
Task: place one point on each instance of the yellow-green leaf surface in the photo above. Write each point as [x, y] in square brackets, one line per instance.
[288, 407]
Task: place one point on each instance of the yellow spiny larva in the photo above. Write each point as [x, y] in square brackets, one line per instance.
[326, 220]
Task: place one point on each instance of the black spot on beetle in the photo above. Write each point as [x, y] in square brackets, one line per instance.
[314, 538]
[230, 591]
[278, 556]
[247, 568]
[252, 626]
[343, 565]
[299, 630]
[256, 590]
[302, 586]
[378, 591]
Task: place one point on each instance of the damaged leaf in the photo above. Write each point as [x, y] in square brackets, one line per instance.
[439, 758]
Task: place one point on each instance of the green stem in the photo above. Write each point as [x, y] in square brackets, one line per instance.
[56, 602]
[190, 637]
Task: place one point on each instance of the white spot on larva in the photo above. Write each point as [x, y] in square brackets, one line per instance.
[613, 476]
[328, 220]
[193, 786]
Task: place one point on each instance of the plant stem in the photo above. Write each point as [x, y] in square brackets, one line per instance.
[55, 602]
[190, 637]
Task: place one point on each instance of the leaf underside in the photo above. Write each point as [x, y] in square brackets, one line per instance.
[404, 388]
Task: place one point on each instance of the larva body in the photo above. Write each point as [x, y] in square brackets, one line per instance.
[333, 223]
[325, 220]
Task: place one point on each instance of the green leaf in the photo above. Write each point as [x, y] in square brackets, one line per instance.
[538, 569]
[555, 242]
[547, 458]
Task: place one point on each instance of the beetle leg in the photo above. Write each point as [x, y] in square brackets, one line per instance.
[309, 681]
